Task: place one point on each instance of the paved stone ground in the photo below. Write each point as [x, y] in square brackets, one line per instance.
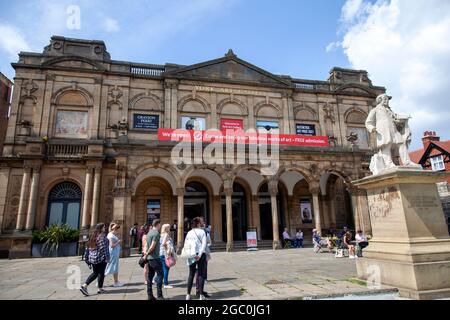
[265, 274]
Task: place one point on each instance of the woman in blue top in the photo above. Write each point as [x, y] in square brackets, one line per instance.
[114, 252]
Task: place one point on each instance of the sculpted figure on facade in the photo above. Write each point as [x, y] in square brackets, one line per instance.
[393, 134]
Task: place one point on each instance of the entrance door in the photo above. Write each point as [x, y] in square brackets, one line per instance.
[239, 212]
[64, 202]
[195, 203]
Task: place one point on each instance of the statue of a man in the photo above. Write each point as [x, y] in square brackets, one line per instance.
[392, 132]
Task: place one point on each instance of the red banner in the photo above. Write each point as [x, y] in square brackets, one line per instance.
[239, 136]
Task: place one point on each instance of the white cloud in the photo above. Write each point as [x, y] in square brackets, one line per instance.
[12, 41]
[405, 47]
[332, 46]
[111, 25]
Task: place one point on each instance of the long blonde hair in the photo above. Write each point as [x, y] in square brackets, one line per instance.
[165, 229]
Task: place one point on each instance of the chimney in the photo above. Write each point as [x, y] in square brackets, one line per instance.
[429, 136]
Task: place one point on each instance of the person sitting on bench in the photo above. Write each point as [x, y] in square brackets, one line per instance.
[287, 239]
[361, 242]
[347, 244]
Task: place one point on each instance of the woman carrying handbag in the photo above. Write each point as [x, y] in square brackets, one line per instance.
[167, 253]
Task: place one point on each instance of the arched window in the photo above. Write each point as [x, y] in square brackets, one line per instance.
[71, 118]
[64, 202]
[355, 120]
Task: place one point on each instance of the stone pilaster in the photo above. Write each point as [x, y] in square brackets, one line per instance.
[87, 198]
[96, 195]
[21, 215]
[31, 213]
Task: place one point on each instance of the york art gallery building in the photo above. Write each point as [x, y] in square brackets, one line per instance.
[82, 146]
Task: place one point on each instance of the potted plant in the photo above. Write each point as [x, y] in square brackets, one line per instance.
[55, 241]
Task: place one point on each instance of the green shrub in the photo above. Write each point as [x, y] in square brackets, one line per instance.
[53, 235]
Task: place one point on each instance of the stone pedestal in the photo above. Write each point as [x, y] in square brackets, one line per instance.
[16, 245]
[410, 248]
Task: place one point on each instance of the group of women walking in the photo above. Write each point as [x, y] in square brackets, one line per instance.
[158, 256]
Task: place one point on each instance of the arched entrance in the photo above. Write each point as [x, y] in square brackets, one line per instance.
[64, 202]
[239, 210]
[340, 205]
[196, 201]
[153, 200]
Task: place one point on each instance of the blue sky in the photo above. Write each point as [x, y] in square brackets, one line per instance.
[403, 44]
[284, 39]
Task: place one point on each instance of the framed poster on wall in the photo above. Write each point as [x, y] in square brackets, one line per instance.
[71, 124]
[306, 210]
[305, 129]
[193, 123]
[266, 126]
[153, 210]
[233, 124]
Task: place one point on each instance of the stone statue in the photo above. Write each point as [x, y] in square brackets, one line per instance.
[393, 133]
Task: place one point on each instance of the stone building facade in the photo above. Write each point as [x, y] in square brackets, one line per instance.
[82, 146]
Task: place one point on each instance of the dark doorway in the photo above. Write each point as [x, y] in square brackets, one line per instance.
[265, 212]
[196, 202]
[239, 210]
[64, 202]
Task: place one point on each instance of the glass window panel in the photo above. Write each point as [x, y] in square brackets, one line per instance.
[73, 214]
[56, 213]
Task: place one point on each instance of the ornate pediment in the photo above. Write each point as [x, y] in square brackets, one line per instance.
[230, 68]
[73, 62]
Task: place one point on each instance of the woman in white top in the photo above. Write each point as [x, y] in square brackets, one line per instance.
[166, 250]
[197, 240]
[114, 252]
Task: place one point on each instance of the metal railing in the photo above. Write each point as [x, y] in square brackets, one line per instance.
[67, 150]
[146, 71]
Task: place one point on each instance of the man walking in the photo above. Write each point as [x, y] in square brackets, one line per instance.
[133, 235]
[154, 261]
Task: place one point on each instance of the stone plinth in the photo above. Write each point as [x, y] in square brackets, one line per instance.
[410, 248]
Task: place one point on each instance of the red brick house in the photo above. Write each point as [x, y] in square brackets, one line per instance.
[435, 154]
[5, 95]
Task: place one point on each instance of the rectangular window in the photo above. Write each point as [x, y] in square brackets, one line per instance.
[145, 121]
[153, 210]
[266, 126]
[193, 123]
[71, 124]
[305, 129]
[437, 163]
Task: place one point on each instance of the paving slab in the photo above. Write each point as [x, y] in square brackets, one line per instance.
[264, 274]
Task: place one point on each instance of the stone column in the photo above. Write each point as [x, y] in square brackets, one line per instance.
[229, 211]
[87, 198]
[315, 191]
[23, 198]
[180, 218]
[332, 211]
[31, 214]
[256, 215]
[96, 196]
[273, 190]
